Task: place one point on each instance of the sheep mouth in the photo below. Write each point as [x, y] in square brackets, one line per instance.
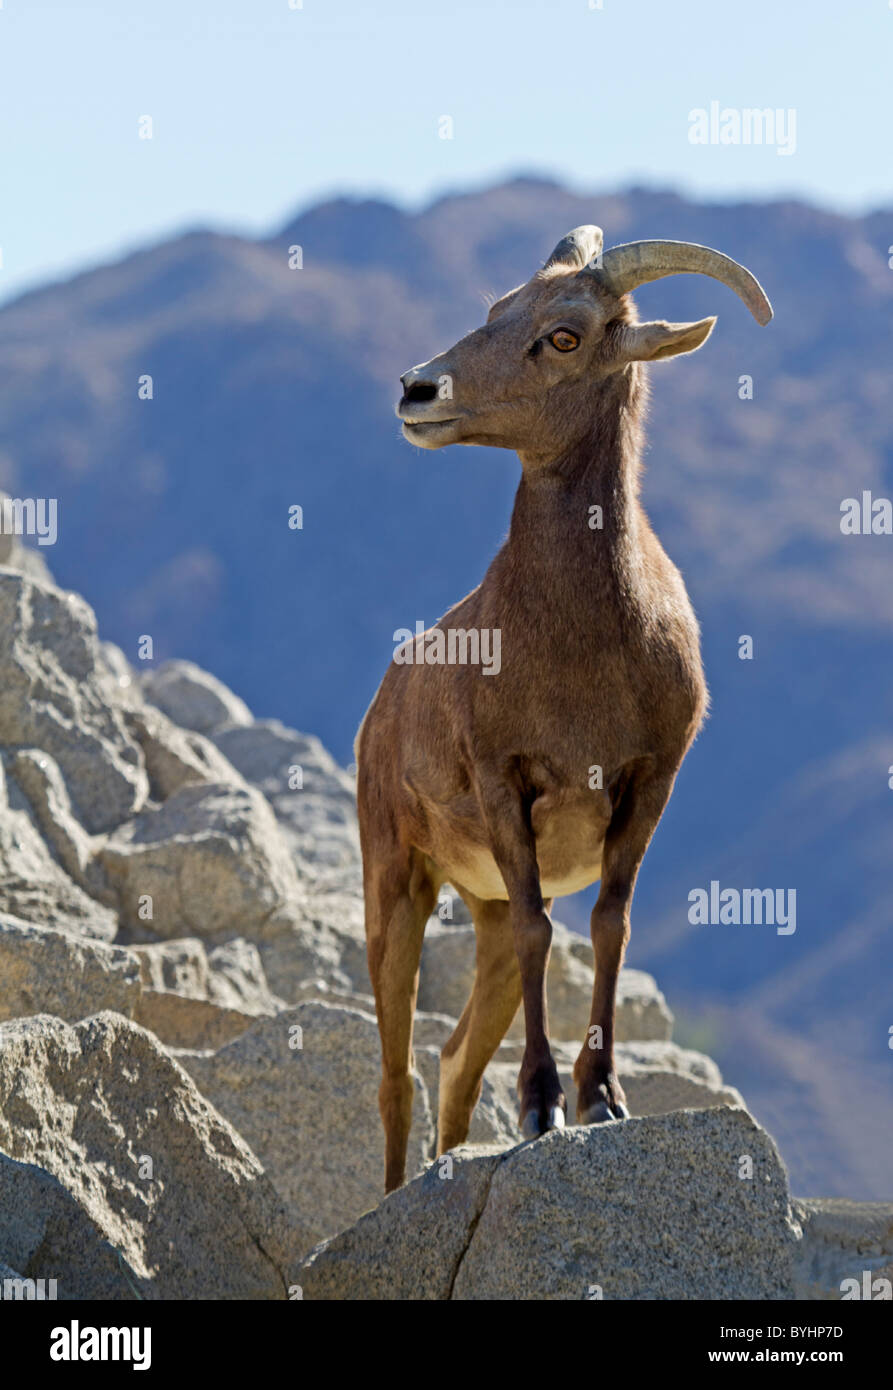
[426, 429]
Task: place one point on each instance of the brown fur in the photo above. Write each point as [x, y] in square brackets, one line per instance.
[481, 780]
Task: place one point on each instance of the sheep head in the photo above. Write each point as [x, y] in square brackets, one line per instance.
[529, 379]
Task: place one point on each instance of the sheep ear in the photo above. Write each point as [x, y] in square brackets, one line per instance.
[649, 342]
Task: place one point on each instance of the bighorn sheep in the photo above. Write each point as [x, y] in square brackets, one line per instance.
[484, 780]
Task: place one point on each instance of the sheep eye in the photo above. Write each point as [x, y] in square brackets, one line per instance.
[564, 340]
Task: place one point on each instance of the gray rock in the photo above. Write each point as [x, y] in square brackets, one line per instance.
[844, 1242]
[43, 970]
[117, 666]
[103, 1109]
[230, 974]
[495, 1118]
[180, 1021]
[314, 799]
[175, 757]
[648, 1208]
[47, 1236]
[429, 1029]
[447, 969]
[194, 998]
[193, 698]
[410, 1246]
[322, 937]
[642, 1012]
[310, 1113]
[432, 1030]
[447, 976]
[26, 559]
[35, 885]
[324, 993]
[57, 695]
[187, 996]
[211, 860]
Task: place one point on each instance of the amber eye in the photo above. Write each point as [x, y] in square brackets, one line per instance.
[564, 340]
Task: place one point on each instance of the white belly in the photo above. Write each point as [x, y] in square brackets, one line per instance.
[478, 872]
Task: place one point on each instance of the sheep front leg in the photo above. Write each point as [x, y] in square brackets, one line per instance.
[542, 1102]
[599, 1093]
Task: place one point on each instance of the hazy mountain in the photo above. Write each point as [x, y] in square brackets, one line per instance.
[275, 386]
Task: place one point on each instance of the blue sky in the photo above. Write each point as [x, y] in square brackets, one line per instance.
[259, 108]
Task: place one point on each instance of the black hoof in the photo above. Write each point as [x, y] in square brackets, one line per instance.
[533, 1125]
[601, 1112]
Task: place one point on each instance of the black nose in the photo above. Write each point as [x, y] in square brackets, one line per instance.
[419, 391]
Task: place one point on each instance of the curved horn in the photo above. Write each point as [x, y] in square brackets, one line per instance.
[636, 262]
[578, 248]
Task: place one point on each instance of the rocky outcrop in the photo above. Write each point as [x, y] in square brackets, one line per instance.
[302, 1089]
[313, 798]
[192, 698]
[44, 970]
[189, 1057]
[57, 696]
[163, 1179]
[46, 1236]
[207, 862]
[689, 1205]
[194, 998]
[188, 996]
[846, 1251]
[36, 887]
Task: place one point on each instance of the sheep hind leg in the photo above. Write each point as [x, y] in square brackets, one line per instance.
[487, 1016]
[399, 899]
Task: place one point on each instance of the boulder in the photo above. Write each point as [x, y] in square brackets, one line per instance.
[314, 799]
[409, 1248]
[210, 859]
[654, 1208]
[174, 756]
[302, 1090]
[194, 998]
[160, 1175]
[193, 698]
[320, 938]
[230, 974]
[117, 666]
[495, 1118]
[44, 970]
[57, 694]
[847, 1249]
[642, 1011]
[35, 884]
[187, 996]
[46, 1236]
